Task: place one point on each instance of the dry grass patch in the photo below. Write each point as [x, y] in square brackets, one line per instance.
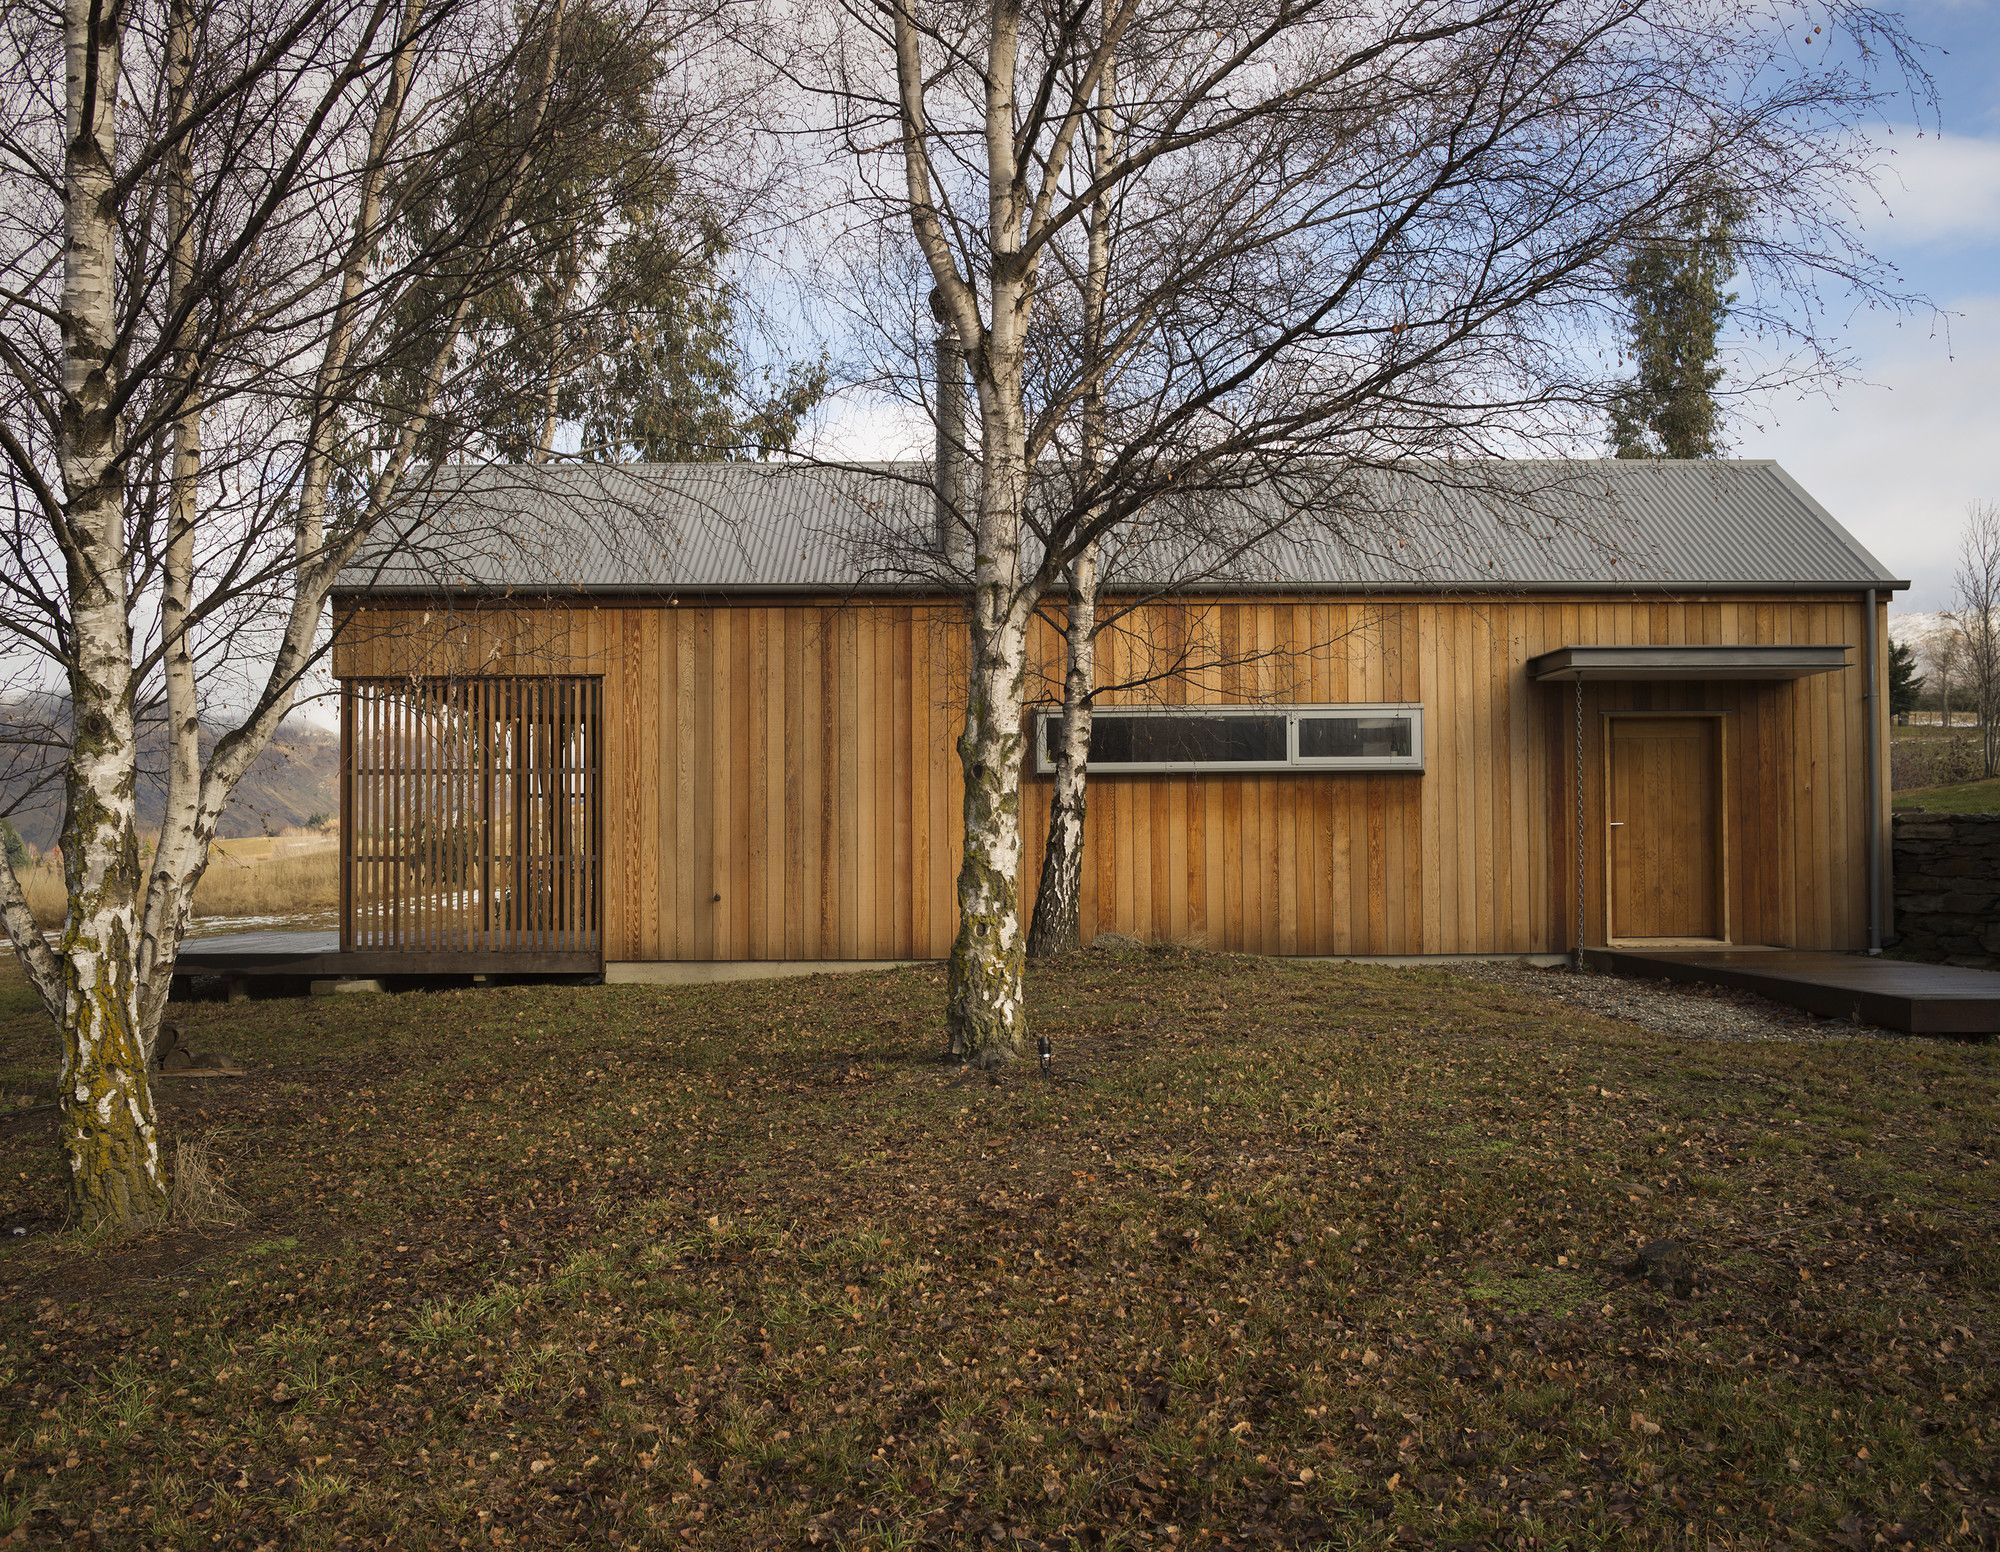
[1298, 1256]
[244, 878]
[197, 1197]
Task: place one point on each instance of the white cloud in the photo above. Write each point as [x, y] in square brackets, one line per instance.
[868, 428]
[1898, 457]
[1937, 189]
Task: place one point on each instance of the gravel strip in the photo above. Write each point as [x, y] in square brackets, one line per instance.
[1669, 1008]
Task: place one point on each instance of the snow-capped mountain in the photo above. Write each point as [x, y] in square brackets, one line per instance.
[1916, 625]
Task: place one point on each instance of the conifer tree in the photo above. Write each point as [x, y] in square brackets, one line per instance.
[1675, 284]
[1905, 683]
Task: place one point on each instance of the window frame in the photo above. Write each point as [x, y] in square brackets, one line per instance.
[1291, 711]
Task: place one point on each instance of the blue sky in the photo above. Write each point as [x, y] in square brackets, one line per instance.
[1898, 453]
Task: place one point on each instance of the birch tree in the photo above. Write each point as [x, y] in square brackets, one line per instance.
[1058, 899]
[1940, 651]
[1976, 625]
[1371, 235]
[212, 394]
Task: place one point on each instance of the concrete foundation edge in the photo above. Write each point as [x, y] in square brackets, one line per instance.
[1417, 961]
[696, 972]
[700, 972]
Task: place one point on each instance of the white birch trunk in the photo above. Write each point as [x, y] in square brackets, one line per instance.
[105, 983]
[104, 1103]
[195, 810]
[162, 929]
[987, 1017]
[1056, 925]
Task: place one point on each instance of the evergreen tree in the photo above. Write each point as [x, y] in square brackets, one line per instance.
[1674, 284]
[619, 324]
[1905, 682]
[12, 847]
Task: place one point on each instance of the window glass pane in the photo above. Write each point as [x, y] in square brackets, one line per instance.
[1354, 738]
[1182, 738]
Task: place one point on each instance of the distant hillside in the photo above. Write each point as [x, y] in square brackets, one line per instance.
[293, 783]
[1911, 628]
[1918, 626]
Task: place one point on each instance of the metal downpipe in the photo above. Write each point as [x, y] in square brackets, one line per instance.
[1576, 958]
[1873, 702]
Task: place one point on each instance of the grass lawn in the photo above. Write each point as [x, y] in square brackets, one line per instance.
[1959, 729]
[1298, 1256]
[1966, 797]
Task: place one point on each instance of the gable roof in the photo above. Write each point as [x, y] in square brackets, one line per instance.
[1594, 525]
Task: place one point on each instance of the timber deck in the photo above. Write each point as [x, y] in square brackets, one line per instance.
[1916, 999]
[317, 956]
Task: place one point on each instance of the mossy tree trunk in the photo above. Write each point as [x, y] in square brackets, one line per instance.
[109, 1134]
[137, 611]
[104, 1104]
[987, 1021]
[987, 1018]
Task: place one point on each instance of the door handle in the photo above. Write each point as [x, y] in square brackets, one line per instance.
[1616, 823]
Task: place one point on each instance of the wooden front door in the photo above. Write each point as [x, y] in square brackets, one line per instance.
[1665, 853]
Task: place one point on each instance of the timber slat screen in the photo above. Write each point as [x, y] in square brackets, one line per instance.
[471, 817]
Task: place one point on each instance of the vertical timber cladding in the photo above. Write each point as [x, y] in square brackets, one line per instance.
[1668, 850]
[780, 777]
[471, 817]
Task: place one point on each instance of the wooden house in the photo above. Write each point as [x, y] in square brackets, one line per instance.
[1655, 713]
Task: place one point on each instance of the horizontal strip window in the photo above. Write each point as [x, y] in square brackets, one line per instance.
[1343, 737]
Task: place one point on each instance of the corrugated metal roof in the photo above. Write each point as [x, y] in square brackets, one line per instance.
[1623, 525]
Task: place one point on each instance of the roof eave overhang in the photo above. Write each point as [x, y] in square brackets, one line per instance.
[405, 592]
[1626, 664]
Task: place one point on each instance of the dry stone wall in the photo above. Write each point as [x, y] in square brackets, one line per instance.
[1948, 888]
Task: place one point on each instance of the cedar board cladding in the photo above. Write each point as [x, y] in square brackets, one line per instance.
[781, 779]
